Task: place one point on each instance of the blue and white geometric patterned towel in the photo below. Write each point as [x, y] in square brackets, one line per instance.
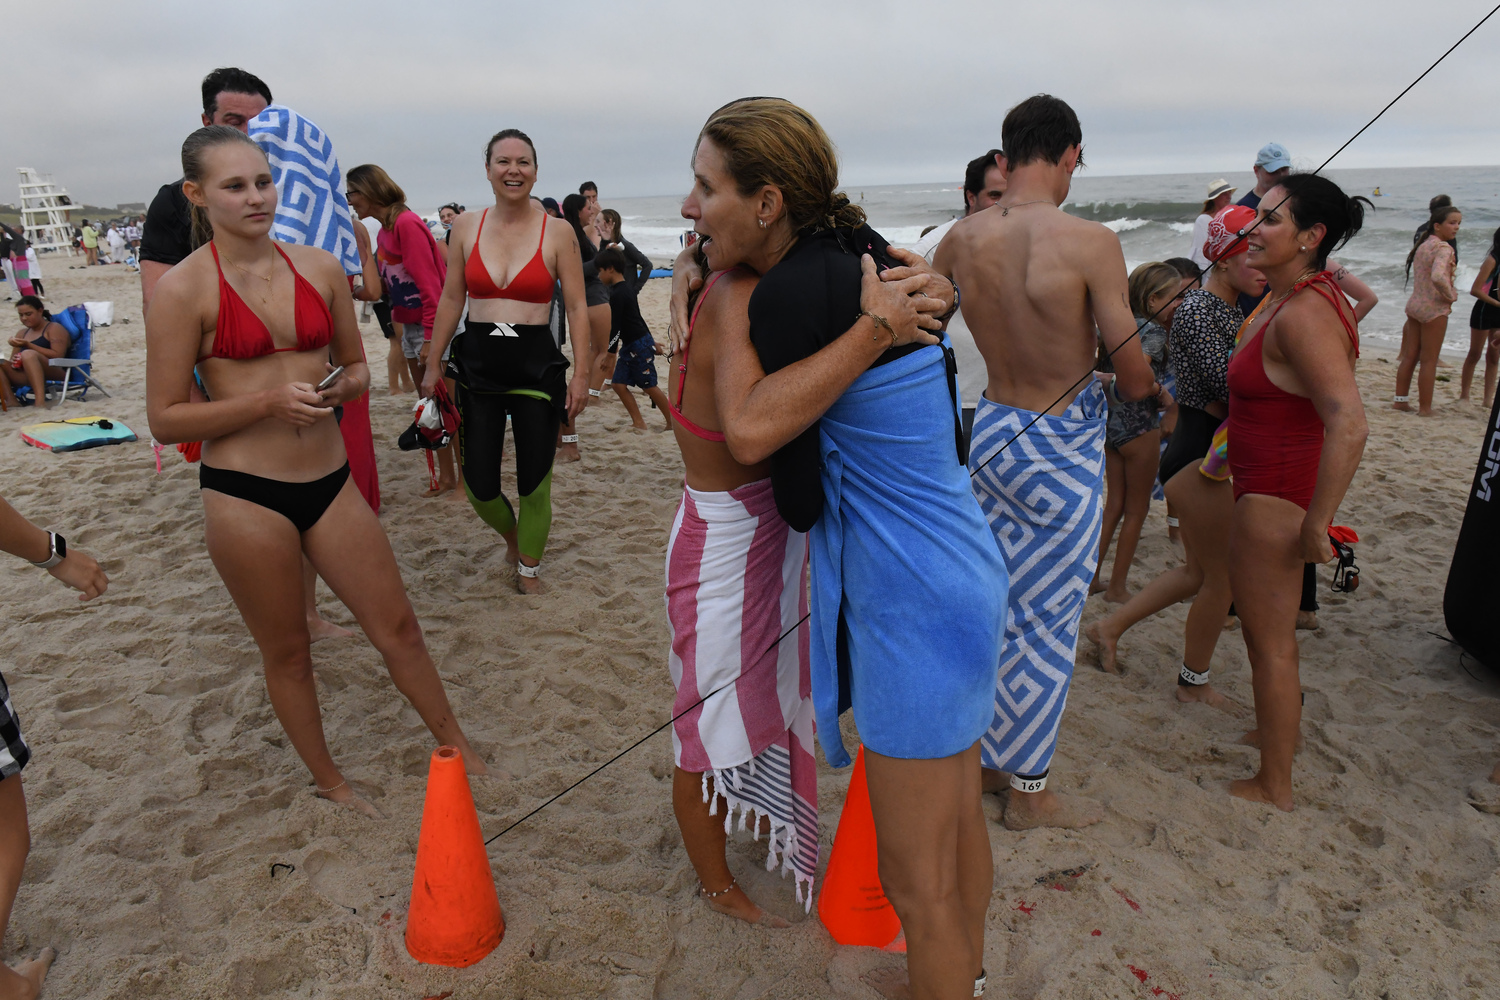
[1043, 497]
[311, 209]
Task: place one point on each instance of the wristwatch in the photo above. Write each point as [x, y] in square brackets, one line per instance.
[57, 547]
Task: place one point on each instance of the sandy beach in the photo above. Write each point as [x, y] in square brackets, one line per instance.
[178, 850]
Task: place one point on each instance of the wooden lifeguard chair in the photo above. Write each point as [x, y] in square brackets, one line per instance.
[46, 212]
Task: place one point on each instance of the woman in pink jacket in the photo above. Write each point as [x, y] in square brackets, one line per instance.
[413, 269]
[1432, 298]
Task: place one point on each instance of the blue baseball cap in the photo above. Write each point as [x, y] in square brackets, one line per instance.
[1273, 157]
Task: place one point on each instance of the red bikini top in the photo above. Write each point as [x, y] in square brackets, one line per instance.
[533, 283]
[239, 334]
[688, 425]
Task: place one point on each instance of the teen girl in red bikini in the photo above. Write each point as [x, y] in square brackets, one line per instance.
[1296, 434]
[259, 321]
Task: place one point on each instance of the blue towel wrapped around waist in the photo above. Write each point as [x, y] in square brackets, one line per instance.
[908, 586]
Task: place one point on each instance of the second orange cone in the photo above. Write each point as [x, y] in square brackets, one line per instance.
[852, 904]
[455, 917]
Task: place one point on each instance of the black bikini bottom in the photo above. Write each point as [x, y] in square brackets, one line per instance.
[301, 503]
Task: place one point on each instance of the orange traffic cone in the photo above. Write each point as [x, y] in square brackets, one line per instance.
[852, 904]
[455, 917]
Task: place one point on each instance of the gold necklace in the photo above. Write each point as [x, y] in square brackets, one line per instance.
[1005, 210]
[266, 278]
[1298, 280]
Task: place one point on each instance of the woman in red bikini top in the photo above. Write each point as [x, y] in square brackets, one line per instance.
[1296, 434]
[260, 323]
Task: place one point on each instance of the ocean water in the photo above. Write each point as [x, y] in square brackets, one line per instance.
[1153, 215]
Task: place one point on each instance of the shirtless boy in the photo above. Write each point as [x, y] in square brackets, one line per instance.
[1035, 282]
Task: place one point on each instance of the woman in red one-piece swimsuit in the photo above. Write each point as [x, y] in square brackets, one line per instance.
[1296, 434]
[259, 321]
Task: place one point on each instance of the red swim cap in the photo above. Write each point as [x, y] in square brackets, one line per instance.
[1224, 240]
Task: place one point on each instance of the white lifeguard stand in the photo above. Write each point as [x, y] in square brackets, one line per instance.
[45, 208]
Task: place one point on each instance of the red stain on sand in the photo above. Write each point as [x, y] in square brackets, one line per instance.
[1060, 888]
[1140, 974]
[1133, 904]
[1157, 991]
[1095, 933]
[1024, 908]
[441, 996]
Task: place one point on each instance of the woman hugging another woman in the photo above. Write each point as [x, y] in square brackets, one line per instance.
[259, 321]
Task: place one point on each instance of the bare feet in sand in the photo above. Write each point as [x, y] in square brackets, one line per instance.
[1251, 790]
[342, 795]
[1033, 810]
[1104, 643]
[1096, 587]
[442, 487]
[735, 903]
[1403, 407]
[1307, 620]
[1205, 694]
[567, 452]
[24, 982]
[318, 630]
[531, 585]
[890, 981]
[1231, 622]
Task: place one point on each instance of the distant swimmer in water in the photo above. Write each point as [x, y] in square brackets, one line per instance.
[274, 477]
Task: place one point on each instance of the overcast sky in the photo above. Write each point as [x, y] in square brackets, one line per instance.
[615, 92]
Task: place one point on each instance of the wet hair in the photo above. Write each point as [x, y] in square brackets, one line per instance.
[1438, 217]
[1148, 281]
[1185, 266]
[550, 206]
[771, 141]
[1040, 128]
[508, 133]
[379, 190]
[572, 206]
[974, 172]
[194, 148]
[1438, 201]
[614, 220]
[455, 206]
[586, 187]
[1495, 246]
[610, 258]
[1313, 199]
[35, 303]
[229, 79]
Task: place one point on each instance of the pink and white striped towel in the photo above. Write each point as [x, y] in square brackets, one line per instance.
[736, 583]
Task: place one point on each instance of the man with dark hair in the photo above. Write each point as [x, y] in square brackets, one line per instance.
[231, 97]
[984, 183]
[1035, 282]
[630, 340]
[590, 192]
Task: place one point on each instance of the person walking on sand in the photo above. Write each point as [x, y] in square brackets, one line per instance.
[630, 340]
[1431, 301]
[1484, 324]
[49, 551]
[274, 476]
[1043, 499]
[1296, 434]
[1202, 340]
[505, 364]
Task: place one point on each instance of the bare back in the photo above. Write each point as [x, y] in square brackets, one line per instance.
[1035, 282]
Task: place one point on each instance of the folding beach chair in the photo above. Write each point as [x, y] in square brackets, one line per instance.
[77, 367]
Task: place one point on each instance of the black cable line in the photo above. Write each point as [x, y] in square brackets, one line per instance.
[653, 732]
[1090, 374]
[1073, 389]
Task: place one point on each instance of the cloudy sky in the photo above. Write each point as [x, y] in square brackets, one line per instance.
[615, 92]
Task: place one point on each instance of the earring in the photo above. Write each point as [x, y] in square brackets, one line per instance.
[1302, 248]
[763, 225]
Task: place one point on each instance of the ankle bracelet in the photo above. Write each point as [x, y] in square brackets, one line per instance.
[703, 890]
[325, 791]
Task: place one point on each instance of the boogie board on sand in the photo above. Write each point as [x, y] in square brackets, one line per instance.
[76, 433]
